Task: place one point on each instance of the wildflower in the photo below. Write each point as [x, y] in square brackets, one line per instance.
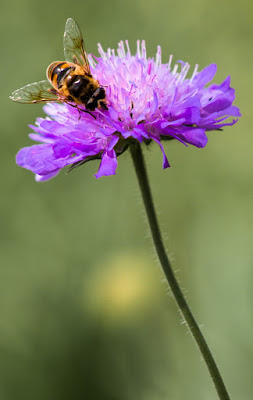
[147, 101]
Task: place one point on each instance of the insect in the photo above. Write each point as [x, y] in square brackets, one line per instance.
[68, 81]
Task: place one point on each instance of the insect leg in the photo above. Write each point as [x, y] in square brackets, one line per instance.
[80, 109]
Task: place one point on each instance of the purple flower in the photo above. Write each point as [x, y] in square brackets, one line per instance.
[147, 101]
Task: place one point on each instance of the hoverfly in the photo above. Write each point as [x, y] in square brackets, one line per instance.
[68, 81]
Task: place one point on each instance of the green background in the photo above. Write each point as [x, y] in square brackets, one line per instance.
[84, 309]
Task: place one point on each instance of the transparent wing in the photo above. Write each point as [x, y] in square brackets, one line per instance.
[34, 93]
[73, 44]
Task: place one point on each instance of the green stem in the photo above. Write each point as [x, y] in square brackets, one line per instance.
[140, 170]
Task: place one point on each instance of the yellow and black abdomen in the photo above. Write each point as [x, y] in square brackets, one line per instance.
[75, 86]
[57, 73]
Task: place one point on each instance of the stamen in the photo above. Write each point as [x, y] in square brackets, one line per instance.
[194, 73]
[101, 51]
[138, 49]
[128, 48]
[169, 63]
[158, 59]
[143, 50]
[174, 71]
[183, 72]
[121, 50]
[91, 61]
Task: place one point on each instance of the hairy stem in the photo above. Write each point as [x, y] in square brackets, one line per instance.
[141, 173]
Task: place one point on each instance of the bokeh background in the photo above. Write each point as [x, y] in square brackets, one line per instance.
[84, 309]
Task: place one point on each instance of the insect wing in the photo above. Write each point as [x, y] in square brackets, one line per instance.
[34, 93]
[73, 44]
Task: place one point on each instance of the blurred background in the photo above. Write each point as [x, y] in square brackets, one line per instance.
[84, 309]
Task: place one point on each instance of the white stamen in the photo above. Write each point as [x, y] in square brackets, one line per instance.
[143, 50]
[128, 48]
[119, 49]
[123, 52]
[91, 61]
[174, 71]
[138, 49]
[158, 59]
[183, 72]
[101, 51]
[170, 60]
[194, 73]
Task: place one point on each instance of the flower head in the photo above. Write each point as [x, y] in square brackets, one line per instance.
[147, 101]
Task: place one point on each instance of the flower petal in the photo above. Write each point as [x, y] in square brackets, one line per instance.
[165, 160]
[108, 164]
[205, 76]
[194, 136]
[41, 178]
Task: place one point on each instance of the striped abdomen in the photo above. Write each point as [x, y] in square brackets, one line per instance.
[74, 85]
[58, 71]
